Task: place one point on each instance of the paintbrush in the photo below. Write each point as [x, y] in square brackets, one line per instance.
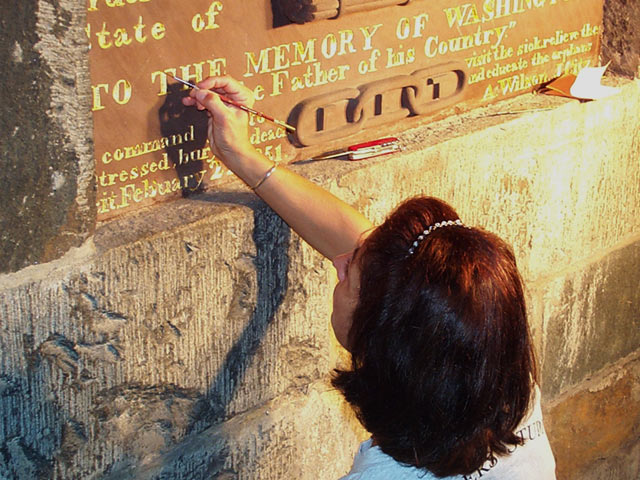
[280, 123]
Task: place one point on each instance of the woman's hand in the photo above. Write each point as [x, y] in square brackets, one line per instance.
[228, 126]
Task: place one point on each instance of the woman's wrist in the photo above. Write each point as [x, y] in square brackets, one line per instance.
[251, 166]
[265, 178]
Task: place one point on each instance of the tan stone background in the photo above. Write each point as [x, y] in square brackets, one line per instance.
[191, 340]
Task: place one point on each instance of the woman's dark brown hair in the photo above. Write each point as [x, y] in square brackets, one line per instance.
[442, 362]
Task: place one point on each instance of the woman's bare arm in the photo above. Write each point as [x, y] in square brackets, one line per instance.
[328, 224]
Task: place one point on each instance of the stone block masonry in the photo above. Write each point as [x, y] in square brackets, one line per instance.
[46, 149]
[621, 43]
[159, 338]
[191, 340]
[594, 429]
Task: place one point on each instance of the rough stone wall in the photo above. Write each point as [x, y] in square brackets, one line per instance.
[191, 340]
[621, 42]
[46, 154]
[128, 349]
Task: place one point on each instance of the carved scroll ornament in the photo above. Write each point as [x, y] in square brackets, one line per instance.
[304, 11]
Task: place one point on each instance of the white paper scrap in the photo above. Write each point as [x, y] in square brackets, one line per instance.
[588, 86]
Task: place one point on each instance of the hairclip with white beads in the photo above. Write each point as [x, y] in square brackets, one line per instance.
[431, 228]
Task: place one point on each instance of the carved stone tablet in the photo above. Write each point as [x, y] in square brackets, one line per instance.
[340, 71]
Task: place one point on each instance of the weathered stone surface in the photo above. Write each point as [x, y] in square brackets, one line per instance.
[302, 443]
[595, 431]
[621, 42]
[46, 156]
[125, 353]
[589, 318]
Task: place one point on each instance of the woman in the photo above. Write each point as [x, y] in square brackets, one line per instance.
[433, 314]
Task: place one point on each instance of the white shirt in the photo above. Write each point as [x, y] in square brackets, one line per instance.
[531, 461]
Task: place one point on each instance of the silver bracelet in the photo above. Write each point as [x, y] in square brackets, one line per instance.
[264, 179]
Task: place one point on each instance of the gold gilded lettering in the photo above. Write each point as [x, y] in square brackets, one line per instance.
[105, 205]
[164, 187]
[503, 8]
[258, 92]
[419, 24]
[93, 4]
[163, 164]
[97, 98]
[275, 58]
[492, 36]
[261, 65]
[520, 82]
[217, 67]
[138, 29]
[397, 58]
[368, 35]
[158, 30]
[494, 9]
[126, 193]
[329, 45]
[490, 93]
[403, 29]
[199, 176]
[198, 22]
[304, 53]
[488, 7]
[186, 74]
[112, 178]
[121, 37]
[280, 59]
[314, 76]
[366, 66]
[103, 37]
[122, 92]
[151, 146]
[346, 42]
[332, 45]
[258, 136]
[137, 195]
[462, 15]
[216, 169]
[278, 82]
